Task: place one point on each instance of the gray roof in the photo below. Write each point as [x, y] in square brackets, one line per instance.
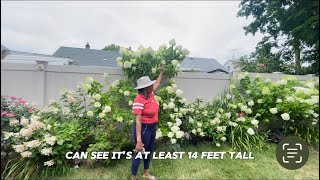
[208, 65]
[89, 57]
[3, 48]
[95, 57]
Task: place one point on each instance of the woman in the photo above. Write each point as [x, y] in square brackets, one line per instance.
[145, 107]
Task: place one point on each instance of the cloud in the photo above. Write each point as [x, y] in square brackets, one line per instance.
[207, 29]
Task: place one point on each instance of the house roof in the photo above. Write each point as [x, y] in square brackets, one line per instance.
[208, 65]
[89, 57]
[3, 48]
[26, 57]
[95, 57]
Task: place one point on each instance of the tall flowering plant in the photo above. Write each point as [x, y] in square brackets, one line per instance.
[148, 62]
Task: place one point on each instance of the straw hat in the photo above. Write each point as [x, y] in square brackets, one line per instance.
[143, 82]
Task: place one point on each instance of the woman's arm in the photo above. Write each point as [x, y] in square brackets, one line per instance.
[158, 81]
[139, 144]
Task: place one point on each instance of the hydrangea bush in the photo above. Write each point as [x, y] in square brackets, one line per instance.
[148, 62]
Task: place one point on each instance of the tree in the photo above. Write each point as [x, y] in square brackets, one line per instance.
[291, 26]
[112, 47]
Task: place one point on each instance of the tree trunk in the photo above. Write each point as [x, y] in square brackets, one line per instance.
[297, 52]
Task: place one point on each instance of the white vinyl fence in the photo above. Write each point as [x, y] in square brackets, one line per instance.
[41, 83]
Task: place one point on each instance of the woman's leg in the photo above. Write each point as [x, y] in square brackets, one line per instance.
[150, 149]
[145, 136]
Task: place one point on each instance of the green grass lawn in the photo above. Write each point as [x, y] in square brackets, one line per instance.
[263, 166]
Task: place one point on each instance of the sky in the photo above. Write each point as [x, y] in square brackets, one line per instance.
[208, 29]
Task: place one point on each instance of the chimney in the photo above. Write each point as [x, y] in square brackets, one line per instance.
[87, 45]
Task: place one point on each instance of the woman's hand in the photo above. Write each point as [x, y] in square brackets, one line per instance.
[139, 146]
[163, 67]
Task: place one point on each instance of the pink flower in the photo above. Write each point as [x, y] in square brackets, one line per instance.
[23, 101]
[13, 97]
[4, 113]
[30, 111]
[11, 115]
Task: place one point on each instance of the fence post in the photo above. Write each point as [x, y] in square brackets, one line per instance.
[41, 82]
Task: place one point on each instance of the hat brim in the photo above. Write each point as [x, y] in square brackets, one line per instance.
[146, 85]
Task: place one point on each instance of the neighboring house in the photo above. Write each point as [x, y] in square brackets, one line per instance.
[94, 57]
[231, 65]
[4, 51]
[207, 65]
[9, 56]
[89, 57]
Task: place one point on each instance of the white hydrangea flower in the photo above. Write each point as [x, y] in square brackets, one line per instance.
[127, 64]
[260, 101]
[273, 110]
[107, 109]
[33, 144]
[185, 51]
[310, 85]
[89, 79]
[190, 120]
[248, 92]
[219, 128]
[282, 82]
[49, 163]
[90, 113]
[290, 99]
[97, 97]
[223, 139]
[250, 131]
[26, 154]
[248, 111]
[158, 134]
[173, 140]
[179, 47]
[130, 103]
[172, 42]
[153, 70]
[102, 115]
[163, 62]
[171, 105]
[265, 90]
[175, 129]
[285, 116]
[228, 115]
[243, 108]
[218, 144]
[133, 61]
[46, 151]
[13, 122]
[97, 104]
[228, 96]
[241, 119]
[170, 134]
[178, 122]
[194, 131]
[169, 124]
[179, 134]
[279, 101]
[86, 86]
[19, 148]
[255, 122]
[170, 90]
[251, 103]
[120, 119]
[126, 93]
[179, 92]
[199, 124]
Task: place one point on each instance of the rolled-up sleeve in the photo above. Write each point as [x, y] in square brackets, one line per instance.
[137, 106]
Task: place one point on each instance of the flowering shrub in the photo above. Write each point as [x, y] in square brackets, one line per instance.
[288, 103]
[172, 112]
[12, 110]
[148, 62]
